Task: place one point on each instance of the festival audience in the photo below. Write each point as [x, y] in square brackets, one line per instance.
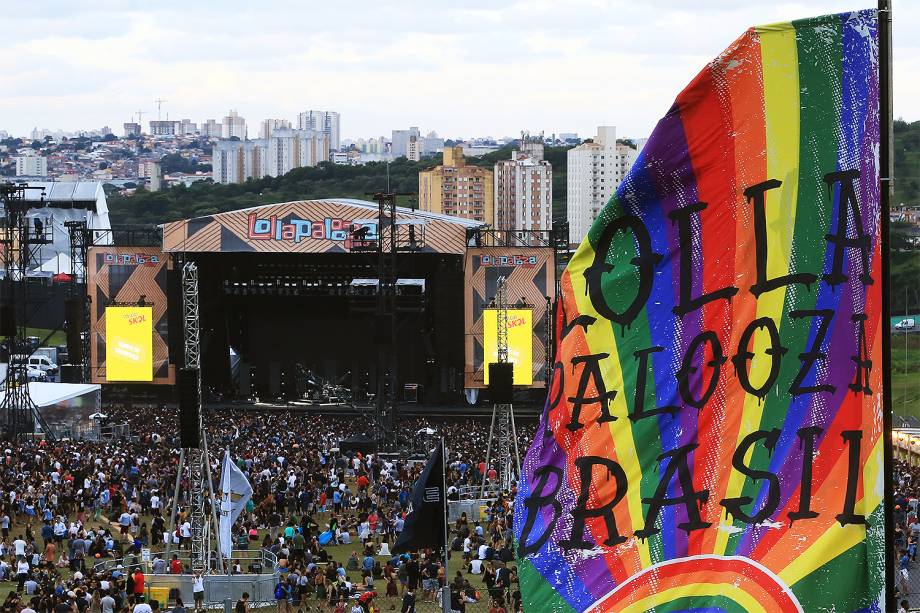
[68, 506]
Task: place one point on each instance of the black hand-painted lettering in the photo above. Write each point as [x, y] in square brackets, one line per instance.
[679, 465]
[581, 512]
[645, 263]
[734, 505]
[687, 368]
[684, 217]
[534, 503]
[590, 371]
[847, 205]
[807, 437]
[860, 382]
[853, 439]
[756, 194]
[638, 410]
[744, 355]
[813, 354]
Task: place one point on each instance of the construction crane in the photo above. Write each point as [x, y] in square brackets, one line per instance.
[140, 117]
[160, 102]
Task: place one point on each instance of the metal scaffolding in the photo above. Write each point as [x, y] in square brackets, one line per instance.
[20, 246]
[502, 431]
[197, 463]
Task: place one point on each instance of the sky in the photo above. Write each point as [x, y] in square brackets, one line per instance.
[464, 69]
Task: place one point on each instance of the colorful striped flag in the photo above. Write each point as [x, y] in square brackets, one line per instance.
[713, 436]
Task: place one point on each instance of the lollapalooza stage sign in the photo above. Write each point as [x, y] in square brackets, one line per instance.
[713, 436]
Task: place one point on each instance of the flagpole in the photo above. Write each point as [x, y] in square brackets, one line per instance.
[445, 598]
[885, 177]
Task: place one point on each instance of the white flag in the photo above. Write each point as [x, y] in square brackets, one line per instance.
[236, 492]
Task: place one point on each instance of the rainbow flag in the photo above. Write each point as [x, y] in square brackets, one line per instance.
[713, 434]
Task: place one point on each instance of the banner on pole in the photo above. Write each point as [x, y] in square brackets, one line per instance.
[713, 433]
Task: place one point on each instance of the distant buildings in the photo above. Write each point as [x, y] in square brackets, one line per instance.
[235, 161]
[31, 166]
[211, 128]
[132, 129]
[400, 141]
[162, 127]
[270, 125]
[288, 149]
[523, 190]
[233, 126]
[454, 188]
[594, 171]
[327, 122]
[185, 127]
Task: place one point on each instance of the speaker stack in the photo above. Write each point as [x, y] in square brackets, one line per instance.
[501, 383]
[189, 408]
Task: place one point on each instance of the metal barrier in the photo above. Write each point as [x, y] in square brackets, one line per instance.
[259, 566]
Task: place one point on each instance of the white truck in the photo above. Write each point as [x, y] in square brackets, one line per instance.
[905, 324]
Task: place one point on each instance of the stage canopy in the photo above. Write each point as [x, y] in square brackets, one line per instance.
[313, 226]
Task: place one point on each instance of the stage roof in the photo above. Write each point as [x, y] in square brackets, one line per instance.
[46, 394]
[309, 226]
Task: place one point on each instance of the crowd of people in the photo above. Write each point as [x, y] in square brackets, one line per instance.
[67, 506]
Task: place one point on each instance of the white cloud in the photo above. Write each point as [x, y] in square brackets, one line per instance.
[469, 68]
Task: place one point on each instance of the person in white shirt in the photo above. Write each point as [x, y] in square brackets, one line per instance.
[142, 607]
[483, 551]
[19, 547]
[476, 567]
[198, 591]
[22, 573]
[107, 604]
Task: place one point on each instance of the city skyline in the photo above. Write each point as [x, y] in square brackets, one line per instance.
[455, 70]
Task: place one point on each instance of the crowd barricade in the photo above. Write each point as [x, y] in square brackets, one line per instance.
[906, 445]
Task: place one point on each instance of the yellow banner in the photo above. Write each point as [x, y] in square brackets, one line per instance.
[520, 342]
[129, 343]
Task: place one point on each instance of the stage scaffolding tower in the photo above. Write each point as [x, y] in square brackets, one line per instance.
[20, 246]
[195, 463]
[502, 431]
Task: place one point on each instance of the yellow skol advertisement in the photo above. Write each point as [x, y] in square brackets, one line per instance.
[520, 342]
[129, 343]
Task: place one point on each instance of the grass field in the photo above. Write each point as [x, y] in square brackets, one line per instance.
[905, 374]
[339, 553]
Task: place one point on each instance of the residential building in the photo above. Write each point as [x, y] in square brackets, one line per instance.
[414, 149]
[185, 127]
[31, 166]
[400, 141]
[327, 122]
[455, 188]
[163, 127]
[523, 190]
[132, 129]
[268, 126]
[156, 176]
[287, 149]
[595, 170]
[233, 126]
[234, 161]
[211, 128]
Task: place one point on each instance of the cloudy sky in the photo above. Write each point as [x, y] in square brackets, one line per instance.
[463, 68]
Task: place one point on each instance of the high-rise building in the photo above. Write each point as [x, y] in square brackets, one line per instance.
[270, 125]
[594, 172]
[234, 161]
[414, 149]
[454, 188]
[211, 128]
[233, 125]
[132, 129]
[163, 127]
[400, 141]
[31, 166]
[185, 127]
[287, 149]
[523, 190]
[327, 122]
